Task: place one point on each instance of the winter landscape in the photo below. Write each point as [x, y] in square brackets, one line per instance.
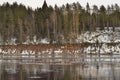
[68, 42]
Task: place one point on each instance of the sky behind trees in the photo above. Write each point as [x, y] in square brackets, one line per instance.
[38, 3]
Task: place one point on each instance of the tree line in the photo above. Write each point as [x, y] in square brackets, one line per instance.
[58, 24]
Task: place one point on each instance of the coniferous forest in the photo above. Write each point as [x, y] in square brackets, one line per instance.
[54, 23]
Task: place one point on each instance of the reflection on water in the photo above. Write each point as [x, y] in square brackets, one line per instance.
[23, 70]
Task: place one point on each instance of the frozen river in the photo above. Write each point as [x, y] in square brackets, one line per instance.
[32, 69]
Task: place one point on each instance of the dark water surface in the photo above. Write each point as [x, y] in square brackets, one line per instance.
[32, 70]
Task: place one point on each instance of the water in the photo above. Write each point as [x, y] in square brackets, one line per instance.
[33, 70]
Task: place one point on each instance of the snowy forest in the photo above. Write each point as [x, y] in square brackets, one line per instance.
[23, 25]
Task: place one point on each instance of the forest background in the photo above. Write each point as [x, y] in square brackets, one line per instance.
[55, 24]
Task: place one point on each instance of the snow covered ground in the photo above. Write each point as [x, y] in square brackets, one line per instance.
[108, 42]
[100, 36]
